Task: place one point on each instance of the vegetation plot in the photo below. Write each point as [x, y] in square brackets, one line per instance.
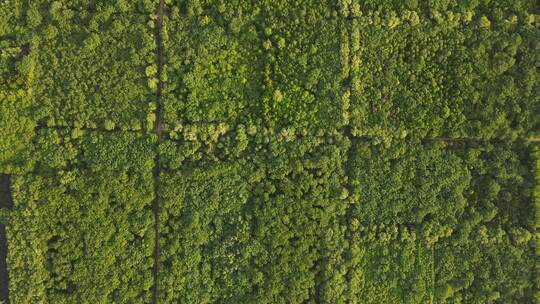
[83, 231]
[257, 228]
[468, 206]
[274, 151]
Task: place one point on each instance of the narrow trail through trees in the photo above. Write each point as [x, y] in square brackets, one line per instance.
[6, 202]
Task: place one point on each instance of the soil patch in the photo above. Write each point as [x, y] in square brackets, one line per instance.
[6, 201]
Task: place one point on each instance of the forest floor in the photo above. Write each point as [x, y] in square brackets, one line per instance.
[6, 201]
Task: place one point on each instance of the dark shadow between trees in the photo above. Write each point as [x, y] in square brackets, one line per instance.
[6, 201]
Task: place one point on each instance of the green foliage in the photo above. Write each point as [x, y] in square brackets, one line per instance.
[490, 256]
[282, 151]
[263, 63]
[220, 70]
[121, 6]
[387, 69]
[467, 206]
[261, 228]
[390, 271]
[11, 14]
[486, 268]
[84, 233]
[536, 154]
[407, 184]
[304, 74]
[91, 63]
[537, 189]
[16, 76]
[444, 73]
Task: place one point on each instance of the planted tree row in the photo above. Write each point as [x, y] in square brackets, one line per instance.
[272, 218]
[389, 70]
[407, 223]
[384, 70]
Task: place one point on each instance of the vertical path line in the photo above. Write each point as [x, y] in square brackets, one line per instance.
[157, 165]
[6, 204]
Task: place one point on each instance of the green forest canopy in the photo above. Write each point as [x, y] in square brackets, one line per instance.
[328, 151]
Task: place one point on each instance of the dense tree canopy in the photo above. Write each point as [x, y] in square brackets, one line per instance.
[81, 226]
[274, 151]
[257, 228]
[455, 72]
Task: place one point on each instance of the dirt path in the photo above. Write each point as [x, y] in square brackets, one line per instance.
[472, 139]
[6, 201]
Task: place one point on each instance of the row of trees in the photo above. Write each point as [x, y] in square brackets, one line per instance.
[537, 219]
[272, 219]
[388, 70]
[16, 125]
[407, 223]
